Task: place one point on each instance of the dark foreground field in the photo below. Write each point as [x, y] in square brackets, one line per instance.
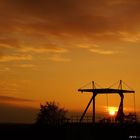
[70, 132]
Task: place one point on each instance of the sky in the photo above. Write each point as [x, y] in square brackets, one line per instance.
[50, 48]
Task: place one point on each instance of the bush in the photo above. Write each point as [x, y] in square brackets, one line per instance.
[51, 114]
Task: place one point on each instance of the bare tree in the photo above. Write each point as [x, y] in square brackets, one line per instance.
[51, 114]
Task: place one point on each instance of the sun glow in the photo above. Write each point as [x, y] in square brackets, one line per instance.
[112, 110]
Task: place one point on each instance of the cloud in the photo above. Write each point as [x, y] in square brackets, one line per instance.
[70, 16]
[96, 49]
[27, 26]
[10, 98]
[17, 114]
[6, 87]
[104, 52]
[42, 49]
[6, 46]
[8, 58]
[4, 69]
[58, 58]
[27, 66]
[87, 46]
[129, 37]
[25, 50]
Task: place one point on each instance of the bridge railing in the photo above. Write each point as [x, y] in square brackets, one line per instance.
[76, 119]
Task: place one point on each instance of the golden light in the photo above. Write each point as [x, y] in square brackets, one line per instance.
[112, 110]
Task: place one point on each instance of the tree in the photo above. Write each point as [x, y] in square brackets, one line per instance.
[51, 114]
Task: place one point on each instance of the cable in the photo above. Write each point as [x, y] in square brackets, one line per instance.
[107, 100]
[90, 83]
[85, 85]
[127, 85]
[113, 84]
[98, 85]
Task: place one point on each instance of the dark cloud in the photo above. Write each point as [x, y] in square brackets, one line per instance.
[15, 114]
[71, 16]
[10, 98]
[34, 24]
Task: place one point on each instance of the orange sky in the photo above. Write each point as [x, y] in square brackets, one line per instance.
[49, 48]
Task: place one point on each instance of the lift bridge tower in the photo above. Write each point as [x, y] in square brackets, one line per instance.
[95, 91]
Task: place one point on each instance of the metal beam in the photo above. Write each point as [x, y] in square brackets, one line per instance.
[106, 91]
[93, 116]
[86, 109]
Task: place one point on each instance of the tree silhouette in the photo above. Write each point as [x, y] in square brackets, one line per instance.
[51, 114]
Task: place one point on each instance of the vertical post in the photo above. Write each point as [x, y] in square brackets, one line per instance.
[93, 111]
[134, 104]
[120, 85]
[93, 85]
[120, 113]
[93, 106]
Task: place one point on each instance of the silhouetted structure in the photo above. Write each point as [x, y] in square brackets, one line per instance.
[120, 114]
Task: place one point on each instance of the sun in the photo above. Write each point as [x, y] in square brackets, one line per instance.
[112, 111]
